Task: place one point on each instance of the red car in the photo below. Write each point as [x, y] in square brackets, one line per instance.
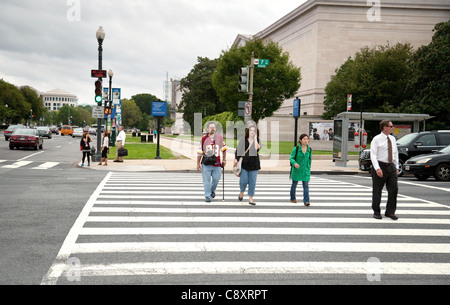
[26, 138]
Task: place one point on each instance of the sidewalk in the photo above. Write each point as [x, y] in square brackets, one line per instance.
[274, 164]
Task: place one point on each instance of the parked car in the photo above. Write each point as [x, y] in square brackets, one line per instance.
[8, 132]
[45, 132]
[425, 166]
[26, 138]
[66, 130]
[411, 145]
[77, 132]
[93, 131]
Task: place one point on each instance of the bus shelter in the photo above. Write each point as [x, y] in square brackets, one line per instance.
[342, 125]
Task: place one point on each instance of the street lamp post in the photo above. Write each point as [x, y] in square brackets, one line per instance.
[100, 37]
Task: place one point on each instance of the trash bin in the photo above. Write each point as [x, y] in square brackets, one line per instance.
[143, 139]
[150, 138]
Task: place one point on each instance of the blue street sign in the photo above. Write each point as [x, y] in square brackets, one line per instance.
[159, 109]
[296, 112]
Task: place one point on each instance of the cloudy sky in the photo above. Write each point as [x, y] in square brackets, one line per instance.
[51, 44]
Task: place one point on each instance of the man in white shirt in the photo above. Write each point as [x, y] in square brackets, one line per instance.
[120, 143]
[385, 167]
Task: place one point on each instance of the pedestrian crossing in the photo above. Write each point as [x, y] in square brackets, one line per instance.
[6, 164]
[156, 228]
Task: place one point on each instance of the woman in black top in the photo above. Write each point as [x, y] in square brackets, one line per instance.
[86, 148]
[248, 148]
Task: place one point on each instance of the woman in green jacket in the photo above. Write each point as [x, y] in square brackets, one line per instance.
[301, 158]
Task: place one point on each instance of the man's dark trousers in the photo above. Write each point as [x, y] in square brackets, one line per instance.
[389, 178]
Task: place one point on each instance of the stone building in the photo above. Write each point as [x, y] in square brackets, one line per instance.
[321, 35]
[55, 99]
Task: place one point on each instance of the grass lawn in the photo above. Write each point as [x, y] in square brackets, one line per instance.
[285, 147]
[138, 150]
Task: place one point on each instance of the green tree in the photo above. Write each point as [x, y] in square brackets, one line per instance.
[199, 95]
[430, 85]
[18, 110]
[376, 78]
[144, 102]
[131, 114]
[271, 86]
[32, 98]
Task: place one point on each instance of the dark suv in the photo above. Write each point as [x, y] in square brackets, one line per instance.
[411, 145]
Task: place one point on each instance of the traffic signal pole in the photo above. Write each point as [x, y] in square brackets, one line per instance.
[252, 72]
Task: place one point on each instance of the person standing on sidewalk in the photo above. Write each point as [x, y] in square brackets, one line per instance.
[385, 167]
[120, 144]
[105, 147]
[209, 160]
[86, 148]
[301, 160]
[248, 149]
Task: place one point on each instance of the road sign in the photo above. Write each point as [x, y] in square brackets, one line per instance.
[349, 102]
[98, 73]
[296, 112]
[248, 110]
[159, 109]
[262, 63]
[98, 112]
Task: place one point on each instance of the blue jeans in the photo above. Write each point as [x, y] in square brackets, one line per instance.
[248, 178]
[208, 172]
[305, 190]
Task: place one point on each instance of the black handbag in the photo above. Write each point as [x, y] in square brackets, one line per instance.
[122, 152]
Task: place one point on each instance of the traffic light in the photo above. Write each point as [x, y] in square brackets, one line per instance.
[108, 110]
[98, 92]
[244, 79]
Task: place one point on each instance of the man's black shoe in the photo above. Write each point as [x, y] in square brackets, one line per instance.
[391, 216]
[213, 195]
[377, 216]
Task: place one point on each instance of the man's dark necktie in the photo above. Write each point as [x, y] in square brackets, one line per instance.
[390, 157]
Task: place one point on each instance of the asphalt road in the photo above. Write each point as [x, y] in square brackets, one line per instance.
[38, 208]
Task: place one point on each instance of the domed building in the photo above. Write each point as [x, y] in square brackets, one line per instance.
[57, 98]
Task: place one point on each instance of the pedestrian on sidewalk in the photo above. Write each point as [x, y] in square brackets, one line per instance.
[385, 167]
[105, 148]
[248, 149]
[85, 147]
[301, 159]
[120, 144]
[209, 160]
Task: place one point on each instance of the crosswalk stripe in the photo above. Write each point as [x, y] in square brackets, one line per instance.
[260, 247]
[256, 211]
[262, 231]
[18, 164]
[46, 165]
[235, 219]
[251, 267]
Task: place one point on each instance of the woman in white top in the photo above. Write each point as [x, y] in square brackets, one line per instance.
[105, 146]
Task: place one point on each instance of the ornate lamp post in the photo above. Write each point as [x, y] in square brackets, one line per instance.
[100, 37]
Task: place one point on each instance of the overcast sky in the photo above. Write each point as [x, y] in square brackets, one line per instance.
[51, 44]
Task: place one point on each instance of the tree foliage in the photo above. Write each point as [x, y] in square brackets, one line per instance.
[376, 77]
[271, 86]
[199, 95]
[430, 82]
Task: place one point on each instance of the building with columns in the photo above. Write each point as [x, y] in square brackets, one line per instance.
[321, 35]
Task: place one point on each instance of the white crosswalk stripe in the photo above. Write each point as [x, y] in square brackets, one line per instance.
[159, 220]
[28, 165]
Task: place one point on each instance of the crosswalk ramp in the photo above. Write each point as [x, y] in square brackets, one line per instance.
[28, 165]
[155, 227]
